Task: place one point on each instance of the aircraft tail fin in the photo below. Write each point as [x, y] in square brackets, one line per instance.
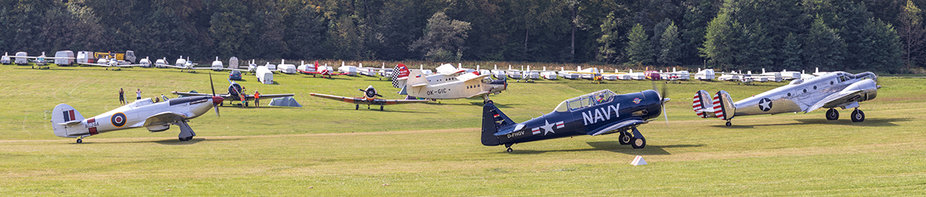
[492, 119]
[65, 119]
[399, 76]
[723, 105]
[703, 104]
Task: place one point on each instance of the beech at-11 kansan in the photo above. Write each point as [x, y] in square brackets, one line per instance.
[597, 113]
[831, 90]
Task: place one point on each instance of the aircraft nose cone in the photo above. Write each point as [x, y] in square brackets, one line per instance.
[217, 100]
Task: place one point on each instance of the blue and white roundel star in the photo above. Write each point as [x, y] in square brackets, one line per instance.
[765, 104]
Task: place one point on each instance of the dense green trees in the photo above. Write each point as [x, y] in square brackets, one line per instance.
[884, 35]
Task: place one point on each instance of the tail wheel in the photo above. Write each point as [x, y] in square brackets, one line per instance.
[858, 116]
[625, 138]
[832, 114]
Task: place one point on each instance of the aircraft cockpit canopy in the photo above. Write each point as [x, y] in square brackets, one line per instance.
[141, 102]
[584, 101]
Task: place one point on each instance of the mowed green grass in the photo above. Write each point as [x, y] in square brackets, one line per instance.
[328, 148]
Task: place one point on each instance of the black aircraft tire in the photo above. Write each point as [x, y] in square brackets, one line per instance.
[832, 114]
[357, 107]
[80, 141]
[858, 116]
[509, 150]
[624, 139]
[380, 108]
[638, 143]
[729, 124]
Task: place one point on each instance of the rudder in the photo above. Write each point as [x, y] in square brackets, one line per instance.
[723, 105]
[492, 119]
[62, 117]
[702, 104]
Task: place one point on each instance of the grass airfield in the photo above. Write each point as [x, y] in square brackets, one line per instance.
[328, 148]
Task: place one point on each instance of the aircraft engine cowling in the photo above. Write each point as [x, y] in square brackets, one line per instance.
[158, 128]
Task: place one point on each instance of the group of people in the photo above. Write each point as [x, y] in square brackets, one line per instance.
[122, 95]
[137, 96]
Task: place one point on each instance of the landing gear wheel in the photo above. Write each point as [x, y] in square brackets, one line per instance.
[624, 139]
[186, 138]
[357, 107]
[380, 108]
[80, 141]
[832, 114]
[729, 124]
[245, 104]
[509, 150]
[858, 116]
[638, 140]
[638, 143]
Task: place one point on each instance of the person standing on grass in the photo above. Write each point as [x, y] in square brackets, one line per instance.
[121, 96]
[257, 98]
[138, 94]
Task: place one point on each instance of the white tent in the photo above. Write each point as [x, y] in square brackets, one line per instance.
[285, 102]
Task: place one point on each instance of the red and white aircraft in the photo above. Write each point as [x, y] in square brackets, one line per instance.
[315, 69]
[369, 98]
[155, 117]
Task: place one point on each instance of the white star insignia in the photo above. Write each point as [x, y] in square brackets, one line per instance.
[547, 128]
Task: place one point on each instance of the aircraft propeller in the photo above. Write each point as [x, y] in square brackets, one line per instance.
[662, 104]
[370, 92]
[216, 100]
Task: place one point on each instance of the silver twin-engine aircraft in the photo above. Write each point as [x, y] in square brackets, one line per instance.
[832, 90]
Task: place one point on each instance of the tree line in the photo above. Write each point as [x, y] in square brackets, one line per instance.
[884, 35]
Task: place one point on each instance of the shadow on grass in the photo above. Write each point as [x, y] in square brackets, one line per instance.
[871, 122]
[479, 103]
[172, 141]
[616, 147]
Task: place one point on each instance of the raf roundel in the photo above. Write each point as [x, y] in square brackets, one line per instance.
[118, 119]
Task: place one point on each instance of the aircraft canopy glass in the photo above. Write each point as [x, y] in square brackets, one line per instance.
[581, 102]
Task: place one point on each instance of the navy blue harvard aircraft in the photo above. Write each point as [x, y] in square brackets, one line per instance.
[597, 113]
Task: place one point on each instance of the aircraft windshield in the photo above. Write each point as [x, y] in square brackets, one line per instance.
[581, 102]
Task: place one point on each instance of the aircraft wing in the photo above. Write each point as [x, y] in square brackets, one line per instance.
[225, 96]
[357, 100]
[95, 64]
[269, 96]
[833, 99]
[338, 98]
[616, 126]
[850, 94]
[164, 118]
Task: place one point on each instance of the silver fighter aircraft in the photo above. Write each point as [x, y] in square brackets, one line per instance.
[835, 89]
[154, 116]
